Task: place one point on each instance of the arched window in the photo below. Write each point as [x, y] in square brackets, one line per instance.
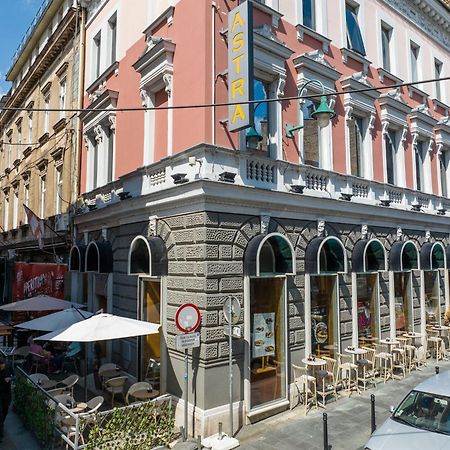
[99, 257]
[403, 256]
[432, 256]
[77, 258]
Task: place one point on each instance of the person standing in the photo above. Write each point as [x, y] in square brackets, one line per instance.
[6, 376]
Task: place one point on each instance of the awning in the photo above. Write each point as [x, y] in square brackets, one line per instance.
[147, 256]
[99, 257]
[325, 255]
[368, 256]
[77, 258]
[269, 254]
[432, 256]
[403, 256]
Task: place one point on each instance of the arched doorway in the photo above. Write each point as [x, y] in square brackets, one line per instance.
[403, 259]
[147, 259]
[368, 260]
[325, 258]
[268, 260]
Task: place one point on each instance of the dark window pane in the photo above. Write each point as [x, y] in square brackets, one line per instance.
[261, 92]
[309, 14]
[354, 37]
[385, 47]
[390, 157]
[443, 168]
[310, 134]
[419, 166]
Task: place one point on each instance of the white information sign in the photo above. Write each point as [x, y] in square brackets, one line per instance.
[235, 331]
[263, 335]
[188, 340]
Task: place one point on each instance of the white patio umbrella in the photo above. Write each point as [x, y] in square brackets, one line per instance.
[101, 327]
[56, 321]
[40, 303]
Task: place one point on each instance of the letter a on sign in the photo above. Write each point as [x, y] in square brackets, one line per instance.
[240, 66]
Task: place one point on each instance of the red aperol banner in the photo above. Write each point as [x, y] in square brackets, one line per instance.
[38, 278]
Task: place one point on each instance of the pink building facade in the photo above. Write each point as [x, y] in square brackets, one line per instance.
[327, 236]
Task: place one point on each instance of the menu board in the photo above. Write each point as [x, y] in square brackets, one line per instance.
[263, 334]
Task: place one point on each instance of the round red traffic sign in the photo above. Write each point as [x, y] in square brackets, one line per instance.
[187, 318]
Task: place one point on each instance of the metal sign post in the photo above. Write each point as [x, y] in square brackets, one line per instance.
[232, 311]
[187, 320]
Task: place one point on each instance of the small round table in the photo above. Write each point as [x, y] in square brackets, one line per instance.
[314, 362]
[355, 352]
[81, 406]
[47, 384]
[389, 342]
[145, 394]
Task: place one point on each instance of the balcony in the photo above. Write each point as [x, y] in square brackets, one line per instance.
[255, 170]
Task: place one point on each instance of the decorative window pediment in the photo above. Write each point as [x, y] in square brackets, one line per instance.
[422, 122]
[442, 133]
[96, 115]
[156, 66]
[270, 54]
[313, 65]
[303, 30]
[273, 13]
[394, 110]
[360, 103]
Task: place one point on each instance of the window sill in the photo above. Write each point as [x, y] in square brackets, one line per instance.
[302, 30]
[44, 138]
[276, 16]
[440, 104]
[7, 171]
[347, 53]
[113, 68]
[383, 73]
[16, 163]
[414, 90]
[59, 125]
[27, 151]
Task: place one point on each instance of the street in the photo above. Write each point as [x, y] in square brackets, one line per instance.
[348, 419]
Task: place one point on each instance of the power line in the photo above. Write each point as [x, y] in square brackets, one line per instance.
[214, 105]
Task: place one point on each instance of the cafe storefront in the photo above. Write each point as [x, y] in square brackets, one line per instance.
[325, 258]
[403, 259]
[433, 265]
[368, 260]
[269, 259]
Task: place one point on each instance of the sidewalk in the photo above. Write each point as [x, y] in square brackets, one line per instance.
[16, 436]
[348, 419]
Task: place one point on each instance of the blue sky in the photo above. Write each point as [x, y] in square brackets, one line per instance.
[15, 18]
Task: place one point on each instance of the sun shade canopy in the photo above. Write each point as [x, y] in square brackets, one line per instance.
[368, 256]
[325, 255]
[268, 255]
[432, 256]
[40, 303]
[403, 256]
[147, 257]
[99, 257]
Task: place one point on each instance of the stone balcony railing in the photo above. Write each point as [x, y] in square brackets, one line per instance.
[258, 171]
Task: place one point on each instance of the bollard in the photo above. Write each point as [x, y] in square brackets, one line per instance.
[372, 413]
[436, 369]
[183, 433]
[325, 432]
[199, 442]
[220, 431]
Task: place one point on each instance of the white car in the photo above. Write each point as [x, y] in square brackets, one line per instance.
[421, 421]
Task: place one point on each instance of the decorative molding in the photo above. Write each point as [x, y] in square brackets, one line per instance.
[364, 231]
[385, 127]
[280, 86]
[403, 136]
[347, 53]
[276, 16]
[152, 226]
[98, 133]
[303, 30]
[430, 146]
[348, 113]
[415, 138]
[105, 234]
[265, 221]
[431, 17]
[399, 234]
[112, 122]
[427, 235]
[371, 124]
[145, 97]
[321, 228]
[383, 73]
[168, 81]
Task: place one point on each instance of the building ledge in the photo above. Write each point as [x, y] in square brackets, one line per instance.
[44, 138]
[59, 125]
[414, 90]
[383, 73]
[347, 53]
[440, 104]
[302, 30]
[276, 16]
[27, 151]
[102, 79]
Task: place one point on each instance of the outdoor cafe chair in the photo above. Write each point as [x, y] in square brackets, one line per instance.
[384, 359]
[39, 362]
[116, 386]
[306, 387]
[93, 405]
[139, 386]
[20, 355]
[56, 391]
[367, 370]
[327, 378]
[38, 377]
[70, 382]
[346, 370]
[104, 372]
[152, 374]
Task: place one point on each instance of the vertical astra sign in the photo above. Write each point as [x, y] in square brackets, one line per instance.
[240, 66]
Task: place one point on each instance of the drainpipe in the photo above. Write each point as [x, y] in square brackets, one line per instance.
[214, 9]
[79, 141]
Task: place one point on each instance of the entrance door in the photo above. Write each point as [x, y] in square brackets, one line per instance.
[432, 310]
[268, 340]
[150, 354]
[324, 322]
[403, 301]
[368, 309]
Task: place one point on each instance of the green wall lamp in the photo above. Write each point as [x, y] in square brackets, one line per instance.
[323, 114]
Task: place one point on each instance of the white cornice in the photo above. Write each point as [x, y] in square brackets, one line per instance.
[428, 15]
